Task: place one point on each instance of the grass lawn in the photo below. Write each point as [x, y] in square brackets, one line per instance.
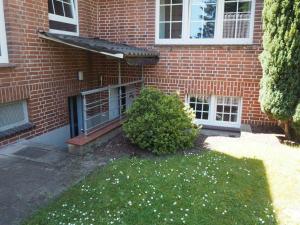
[211, 188]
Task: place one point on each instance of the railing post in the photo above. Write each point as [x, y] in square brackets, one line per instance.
[85, 116]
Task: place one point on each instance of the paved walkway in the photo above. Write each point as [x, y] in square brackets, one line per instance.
[31, 174]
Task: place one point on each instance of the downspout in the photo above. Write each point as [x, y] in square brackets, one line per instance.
[143, 78]
[120, 88]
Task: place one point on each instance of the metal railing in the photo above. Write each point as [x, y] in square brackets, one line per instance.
[104, 105]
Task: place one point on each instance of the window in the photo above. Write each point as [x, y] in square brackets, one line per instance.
[205, 21]
[227, 109]
[3, 44]
[170, 19]
[13, 114]
[237, 19]
[200, 105]
[216, 111]
[63, 17]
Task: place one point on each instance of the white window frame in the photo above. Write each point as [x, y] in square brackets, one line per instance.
[3, 41]
[217, 40]
[62, 19]
[213, 112]
[26, 117]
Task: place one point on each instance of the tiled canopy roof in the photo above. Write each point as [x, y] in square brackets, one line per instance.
[133, 55]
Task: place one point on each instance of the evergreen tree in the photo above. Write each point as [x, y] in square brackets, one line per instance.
[280, 85]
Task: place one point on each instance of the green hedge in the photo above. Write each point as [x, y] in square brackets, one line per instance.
[160, 123]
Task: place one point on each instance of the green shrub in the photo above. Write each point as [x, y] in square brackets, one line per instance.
[160, 123]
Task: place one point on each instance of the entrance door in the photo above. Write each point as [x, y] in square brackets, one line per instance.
[114, 104]
[75, 115]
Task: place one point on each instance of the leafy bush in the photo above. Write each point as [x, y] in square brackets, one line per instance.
[160, 123]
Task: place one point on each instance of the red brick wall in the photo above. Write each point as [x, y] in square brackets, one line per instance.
[45, 73]
[205, 70]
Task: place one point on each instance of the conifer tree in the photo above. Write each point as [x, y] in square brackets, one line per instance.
[280, 85]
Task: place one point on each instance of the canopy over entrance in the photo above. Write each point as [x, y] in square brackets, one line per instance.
[132, 55]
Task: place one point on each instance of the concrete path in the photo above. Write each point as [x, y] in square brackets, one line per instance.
[31, 174]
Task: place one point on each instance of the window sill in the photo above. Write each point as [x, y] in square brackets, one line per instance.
[207, 42]
[16, 130]
[7, 65]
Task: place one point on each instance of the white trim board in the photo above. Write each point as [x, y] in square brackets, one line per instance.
[3, 41]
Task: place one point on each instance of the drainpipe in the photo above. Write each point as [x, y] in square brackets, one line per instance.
[143, 78]
[120, 88]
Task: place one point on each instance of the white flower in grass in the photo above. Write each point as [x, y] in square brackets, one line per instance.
[130, 203]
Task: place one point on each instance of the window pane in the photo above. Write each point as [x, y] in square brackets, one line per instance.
[197, 13]
[164, 30]
[234, 109]
[237, 15]
[177, 13]
[227, 109]
[165, 13]
[234, 118]
[199, 107]
[209, 30]
[244, 6]
[210, 12]
[229, 29]
[171, 15]
[230, 7]
[68, 10]
[163, 2]
[219, 117]
[12, 114]
[226, 118]
[203, 16]
[220, 108]
[199, 115]
[206, 108]
[192, 99]
[197, 29]
[58, 6]
[176, 30]
[193, 106]
[50, 7]
[205, 116]
[243, 29]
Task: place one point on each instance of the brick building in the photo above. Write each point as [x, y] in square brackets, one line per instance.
[208, 52]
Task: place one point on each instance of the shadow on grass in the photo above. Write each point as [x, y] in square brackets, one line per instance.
[211, 188]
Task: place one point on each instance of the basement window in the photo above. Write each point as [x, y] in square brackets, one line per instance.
[216, 110]
[63, 16]
[3, 44]
[13, 114]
